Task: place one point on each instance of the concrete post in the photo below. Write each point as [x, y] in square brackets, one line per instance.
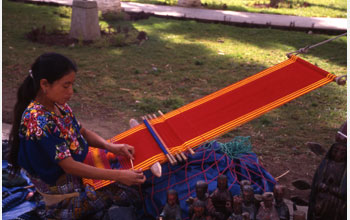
[84, 23]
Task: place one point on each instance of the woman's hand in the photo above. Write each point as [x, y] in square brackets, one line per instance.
[131, 177]
[127, 177]
[95, 140]
[121, 149]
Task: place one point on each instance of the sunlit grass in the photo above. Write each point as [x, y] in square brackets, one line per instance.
[308, 8]
[179, 63]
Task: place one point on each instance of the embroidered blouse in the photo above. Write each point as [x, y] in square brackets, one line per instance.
[46, 139]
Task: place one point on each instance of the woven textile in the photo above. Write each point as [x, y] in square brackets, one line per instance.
[222, 111]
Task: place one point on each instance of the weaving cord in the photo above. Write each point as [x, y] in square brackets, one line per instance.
[233, 149]
[340, 80]
[307, 48]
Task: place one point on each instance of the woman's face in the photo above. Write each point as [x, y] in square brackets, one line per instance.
[61, 90]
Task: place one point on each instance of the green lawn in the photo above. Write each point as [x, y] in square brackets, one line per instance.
[181, 62]
[309, 8]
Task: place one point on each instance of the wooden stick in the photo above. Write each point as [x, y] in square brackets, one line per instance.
[157, 139]
[282, 175]
[132, 164]
[165, 146]
[178, 157]
[183, 155]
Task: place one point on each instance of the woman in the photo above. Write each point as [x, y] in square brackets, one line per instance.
[50, 144]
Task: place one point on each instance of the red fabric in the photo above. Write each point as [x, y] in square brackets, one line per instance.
[209, 115]
[246, 96]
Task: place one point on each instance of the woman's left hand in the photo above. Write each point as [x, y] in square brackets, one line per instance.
[121, 149]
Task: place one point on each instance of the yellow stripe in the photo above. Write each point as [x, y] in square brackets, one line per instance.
[229, 88]
[265, 108]
[207, 98]
[230, 125]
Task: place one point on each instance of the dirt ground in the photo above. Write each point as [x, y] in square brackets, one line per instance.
[298, 166]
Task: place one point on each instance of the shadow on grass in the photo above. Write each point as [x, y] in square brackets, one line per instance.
[264, 38]
[197, 70]
[174, 67]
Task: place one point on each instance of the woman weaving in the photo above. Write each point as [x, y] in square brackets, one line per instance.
[50, 144]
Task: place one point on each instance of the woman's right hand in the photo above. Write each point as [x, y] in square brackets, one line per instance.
[130, 177]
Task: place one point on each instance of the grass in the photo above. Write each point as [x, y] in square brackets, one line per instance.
[309, 8]
[181, 62]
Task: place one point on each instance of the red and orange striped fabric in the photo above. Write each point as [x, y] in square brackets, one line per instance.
[222, 111]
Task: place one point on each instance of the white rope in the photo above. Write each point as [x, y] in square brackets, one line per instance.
[307, 48]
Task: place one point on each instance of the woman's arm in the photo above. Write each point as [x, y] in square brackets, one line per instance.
[95, 140]
[127, 177]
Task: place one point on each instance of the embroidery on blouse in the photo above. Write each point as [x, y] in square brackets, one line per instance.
[38, 123]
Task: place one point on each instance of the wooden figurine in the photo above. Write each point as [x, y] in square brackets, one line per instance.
[171, 210]
[221, 199]
[242, 183]
[329, 188]
[280, 205]
[248, 204]
[202, 195]
[199, 211]
[267, 210]
[237, 213]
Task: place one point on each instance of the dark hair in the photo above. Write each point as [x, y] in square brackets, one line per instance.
[49, 66]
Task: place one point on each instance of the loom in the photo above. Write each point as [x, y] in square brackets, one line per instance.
[213, 115]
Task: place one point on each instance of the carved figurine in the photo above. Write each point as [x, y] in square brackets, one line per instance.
[299, 215]
[202, 195]
[237, 209]
[267, 211]
[242, 183]
[248, 204]
[245, 216]
[221, 199]
[328, 189]
[171, 210]
[280, 205]
[199, 211]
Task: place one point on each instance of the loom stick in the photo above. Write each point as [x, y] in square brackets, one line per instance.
[189, 149]
[160, 138]
[156, 138]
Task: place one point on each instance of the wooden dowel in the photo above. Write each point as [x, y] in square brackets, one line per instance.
[191, 151]
[153, 116]
[183, 156]
[178, 157]
[157, 138]
[132, 164]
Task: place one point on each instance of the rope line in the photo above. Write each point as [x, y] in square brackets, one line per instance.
[307, 48]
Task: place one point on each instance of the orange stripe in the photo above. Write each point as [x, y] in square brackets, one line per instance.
[230, 125]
